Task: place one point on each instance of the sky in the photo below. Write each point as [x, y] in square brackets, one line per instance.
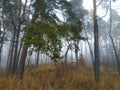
[88, 4]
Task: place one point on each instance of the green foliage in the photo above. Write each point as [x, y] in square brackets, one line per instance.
[40, 5]
[71, 31]
[9, 7]
[45, 37]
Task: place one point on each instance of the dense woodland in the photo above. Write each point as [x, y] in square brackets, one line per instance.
[41, 38]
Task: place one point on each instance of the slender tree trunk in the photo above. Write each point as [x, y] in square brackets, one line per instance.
[29, 60]
[112, 40]
[17, 26]
[22, 62]
[37, 60]
[30, 55]
[15, 59]
[11, 52]
[96, 45]
[1, 46]
[76, 54]
[91, 52]
[19, 51]
[2, 37]
[101, 51]
[8, 58]
[71, 56]
[66, 55]
[107, 52]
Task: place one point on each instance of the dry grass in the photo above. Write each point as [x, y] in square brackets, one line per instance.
[46, 77]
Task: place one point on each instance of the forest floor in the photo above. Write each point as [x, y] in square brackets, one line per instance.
[48, 77]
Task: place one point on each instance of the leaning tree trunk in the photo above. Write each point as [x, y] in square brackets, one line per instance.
[90, 49]
[96, 45]
[116, 55]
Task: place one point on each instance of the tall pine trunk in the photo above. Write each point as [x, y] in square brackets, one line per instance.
[96, 44]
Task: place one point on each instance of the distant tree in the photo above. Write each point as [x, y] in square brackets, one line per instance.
[74, 17]
[71, 33]
[112, 40]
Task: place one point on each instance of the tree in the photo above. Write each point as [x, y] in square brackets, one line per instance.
[74, 17]
[112, 40]
[44, 12]
[71, 33]
[96, 44]
[15, 10]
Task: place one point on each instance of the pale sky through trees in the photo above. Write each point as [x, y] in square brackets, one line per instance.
[88, 4]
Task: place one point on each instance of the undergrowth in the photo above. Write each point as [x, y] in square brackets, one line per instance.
[48, 77]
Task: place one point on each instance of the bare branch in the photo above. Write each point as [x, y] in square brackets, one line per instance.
[99, 3]
[103, 15]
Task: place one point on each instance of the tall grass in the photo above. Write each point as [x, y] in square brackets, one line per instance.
[48, 77]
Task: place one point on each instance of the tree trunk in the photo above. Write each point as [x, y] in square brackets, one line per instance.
[22, 62]
[15, 59]
[91, 52]
[30, 55]
[76, 54]
[1, 46]
[11, 52]
[116, 55]
[96, 45]
[66, 55]
[19, 51]
[8, 58]
[37, 60]
[24, 51]
[2, 37]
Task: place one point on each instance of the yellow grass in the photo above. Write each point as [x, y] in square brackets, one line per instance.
[47, 77]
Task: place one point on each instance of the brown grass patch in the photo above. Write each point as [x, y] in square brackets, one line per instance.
[47, 77]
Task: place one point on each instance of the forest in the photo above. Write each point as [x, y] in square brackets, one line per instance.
[59, 45]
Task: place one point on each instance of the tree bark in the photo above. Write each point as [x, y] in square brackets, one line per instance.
[96, 44]
[22, 62]
[37, 60]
